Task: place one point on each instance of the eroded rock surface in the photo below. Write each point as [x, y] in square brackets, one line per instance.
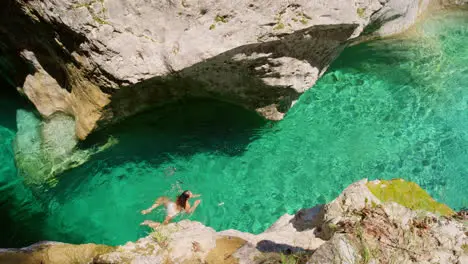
[365, 224]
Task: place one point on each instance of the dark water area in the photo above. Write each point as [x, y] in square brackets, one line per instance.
[17, 207]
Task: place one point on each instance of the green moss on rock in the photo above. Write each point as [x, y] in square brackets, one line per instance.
[361, 12]
[408, 194]
[465, 248]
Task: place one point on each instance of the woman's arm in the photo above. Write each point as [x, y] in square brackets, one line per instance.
[189, 209]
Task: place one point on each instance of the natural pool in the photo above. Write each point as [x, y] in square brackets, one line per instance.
[385, 109]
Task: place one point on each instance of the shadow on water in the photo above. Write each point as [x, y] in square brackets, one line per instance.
[183, 129]
[10, 101]
[175, 131]
[19, 227]
[384, 58]
[20, 214]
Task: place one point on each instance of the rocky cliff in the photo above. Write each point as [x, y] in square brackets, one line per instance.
[370, 222]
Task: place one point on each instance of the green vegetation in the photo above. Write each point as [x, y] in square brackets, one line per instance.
[332, 227]
[148, 38]
[279, 26]
[222, 19]
[287, 259]
[408, 194]
[465, 248]
[100, 20]
[218, 19]
[360, 11]
[30, 12]
[364, 248]
[301, 257]
[303, 18]
[95, 16]
[279, 23]
[87, 5]
[295, 258]
[160, 238]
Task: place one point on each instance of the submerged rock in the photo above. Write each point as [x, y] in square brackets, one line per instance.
[356, 227]
[44, 149]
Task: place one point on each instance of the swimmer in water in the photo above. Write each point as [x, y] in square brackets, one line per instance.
[172, 208]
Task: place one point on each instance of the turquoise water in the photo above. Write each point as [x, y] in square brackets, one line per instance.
[385, 109]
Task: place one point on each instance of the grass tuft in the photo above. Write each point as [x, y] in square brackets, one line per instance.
[361, 11]
[279, 26]
[222, 19]
[160, 238]
[465, 248]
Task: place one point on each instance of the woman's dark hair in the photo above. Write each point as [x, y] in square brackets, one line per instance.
[182, 199]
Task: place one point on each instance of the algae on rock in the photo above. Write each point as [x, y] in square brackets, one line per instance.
[408, 194]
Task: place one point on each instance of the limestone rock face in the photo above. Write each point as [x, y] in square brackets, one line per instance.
[365, 224]
[102, 60]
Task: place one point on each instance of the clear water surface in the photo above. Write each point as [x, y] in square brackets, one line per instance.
[385, 109]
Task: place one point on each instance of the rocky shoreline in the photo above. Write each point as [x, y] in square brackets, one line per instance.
[369, 222]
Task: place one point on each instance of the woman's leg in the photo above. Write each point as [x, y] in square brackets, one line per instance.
[151, 224]
[167, 220]
[158, 202]
[154, 225]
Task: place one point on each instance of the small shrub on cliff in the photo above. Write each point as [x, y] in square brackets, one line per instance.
[281, 258]
[160, 238]
[279, 26]
[465, 248]
[222, 19]
[361, 11]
